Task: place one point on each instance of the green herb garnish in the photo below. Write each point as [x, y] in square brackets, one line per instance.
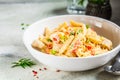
[27, 25]
[49, 40]
[53, 52]
[63, 38]
[87, 26]
[72, 33]
[79, 31]
[88, 40]
[81, 2]
[24, 62]
[23, 26]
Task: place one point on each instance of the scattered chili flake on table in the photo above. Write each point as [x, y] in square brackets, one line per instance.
[57, 70]
[40, 69]
[37, 77]
[45, 68]
[34, 73]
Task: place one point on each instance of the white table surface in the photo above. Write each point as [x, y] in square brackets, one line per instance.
[13, 49]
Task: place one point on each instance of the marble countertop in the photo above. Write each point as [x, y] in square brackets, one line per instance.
[13, 49]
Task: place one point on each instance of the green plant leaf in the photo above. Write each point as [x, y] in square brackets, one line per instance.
[81, 2]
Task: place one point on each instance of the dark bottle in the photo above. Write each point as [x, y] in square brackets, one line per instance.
[100, 8]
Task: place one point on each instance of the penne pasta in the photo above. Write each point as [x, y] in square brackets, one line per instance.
[65, 45]
[76, 24]
[74, 40]
[38, 44]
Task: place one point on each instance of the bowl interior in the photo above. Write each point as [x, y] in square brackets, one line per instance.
[108, 29]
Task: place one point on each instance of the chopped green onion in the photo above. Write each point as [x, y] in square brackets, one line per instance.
[72, 33]
[27, 24]
[23, 28]
[53, 52]
[49, 40]
[62, 39]
[88, 40]
[79, 31]
[22, 24]
[87, 26]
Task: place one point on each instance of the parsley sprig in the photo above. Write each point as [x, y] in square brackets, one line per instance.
[24, 62]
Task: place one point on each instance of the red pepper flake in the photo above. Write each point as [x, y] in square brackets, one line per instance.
[57, 70]
[74, 50]
[89, 47]
[67, 33]
[34, 72]
[49, 46]
[45, 68]
[54, 39]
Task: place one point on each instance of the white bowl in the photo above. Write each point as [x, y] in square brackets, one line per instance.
[108, 29]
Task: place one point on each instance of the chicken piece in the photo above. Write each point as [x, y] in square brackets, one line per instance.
[38, 44]
[106, 43]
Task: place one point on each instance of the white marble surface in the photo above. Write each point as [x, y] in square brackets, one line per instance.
[12, 47]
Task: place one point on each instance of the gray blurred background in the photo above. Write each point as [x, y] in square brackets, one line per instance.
[114, 3]
[26, 1]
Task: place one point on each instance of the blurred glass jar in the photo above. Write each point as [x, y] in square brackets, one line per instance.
[76, 6]
[100, 8]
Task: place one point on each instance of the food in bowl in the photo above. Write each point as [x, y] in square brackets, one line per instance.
[109, 30]
[74, 39]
